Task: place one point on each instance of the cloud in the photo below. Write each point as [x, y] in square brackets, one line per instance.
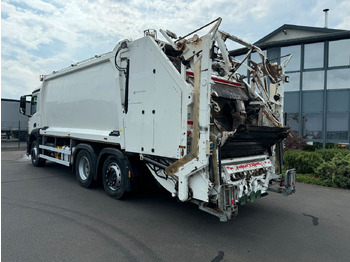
[40, 36]
[342, 12]
[338, 14]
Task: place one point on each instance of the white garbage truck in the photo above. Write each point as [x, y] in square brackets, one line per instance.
[174, 109]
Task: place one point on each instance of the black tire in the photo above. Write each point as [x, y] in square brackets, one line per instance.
[84, 168]
[34, 152]
[113, 175]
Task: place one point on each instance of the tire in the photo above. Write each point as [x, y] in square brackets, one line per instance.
[84, 168]
[34, 152]
[113, 175]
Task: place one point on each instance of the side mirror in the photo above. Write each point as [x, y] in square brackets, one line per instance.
[22, 105]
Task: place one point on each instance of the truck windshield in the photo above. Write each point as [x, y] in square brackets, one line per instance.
[33, 105]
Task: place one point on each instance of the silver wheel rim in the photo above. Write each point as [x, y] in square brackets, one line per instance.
[113, 176]
[34, 153]
[84, 168]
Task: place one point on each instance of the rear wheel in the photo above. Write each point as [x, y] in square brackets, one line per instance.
[34, 152]
[113, 173]
[84, 168]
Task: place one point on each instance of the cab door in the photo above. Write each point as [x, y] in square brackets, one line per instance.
[35, 119]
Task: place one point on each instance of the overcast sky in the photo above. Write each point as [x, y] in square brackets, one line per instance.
[38, 37]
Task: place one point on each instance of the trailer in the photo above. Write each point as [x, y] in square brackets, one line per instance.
[176, 110]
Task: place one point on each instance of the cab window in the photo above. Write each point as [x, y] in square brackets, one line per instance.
[33, 105]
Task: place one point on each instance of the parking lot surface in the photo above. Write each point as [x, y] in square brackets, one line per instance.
[47, 216]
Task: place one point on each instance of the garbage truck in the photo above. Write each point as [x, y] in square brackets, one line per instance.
[174, 110]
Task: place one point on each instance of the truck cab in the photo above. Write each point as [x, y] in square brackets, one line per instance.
[33, 112]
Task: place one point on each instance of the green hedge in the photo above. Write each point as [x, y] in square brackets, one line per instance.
[304, 162]
[328, 167]
[329, 154]
[312, 179]
[337, 170]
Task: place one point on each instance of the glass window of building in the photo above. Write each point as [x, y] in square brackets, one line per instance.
[312, 126]
[338, 78]
[313, 80]
[312, 101]
[313, 55]
[338, 126]
[292, 120]
[294, 63]
[338, 100]
[291, 102]
[294, 82]
[339, 53]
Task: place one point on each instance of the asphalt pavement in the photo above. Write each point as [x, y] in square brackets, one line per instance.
[13, 144]
[47, 216]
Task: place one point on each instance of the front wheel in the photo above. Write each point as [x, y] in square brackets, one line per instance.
[113, 173]
[34, 152]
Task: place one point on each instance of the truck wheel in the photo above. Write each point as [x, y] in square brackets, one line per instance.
[113, 177]
[34, 152]
[84, 168]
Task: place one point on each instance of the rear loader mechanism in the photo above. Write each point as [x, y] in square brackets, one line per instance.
[236, 125]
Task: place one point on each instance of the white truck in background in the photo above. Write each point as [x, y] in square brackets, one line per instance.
[177, 110]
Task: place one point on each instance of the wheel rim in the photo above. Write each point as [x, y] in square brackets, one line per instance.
[84, 168]
[113, 176]
[34, 153]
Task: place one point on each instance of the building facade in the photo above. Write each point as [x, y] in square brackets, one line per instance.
[317, 97]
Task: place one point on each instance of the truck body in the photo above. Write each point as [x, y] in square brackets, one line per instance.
[176, 109]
